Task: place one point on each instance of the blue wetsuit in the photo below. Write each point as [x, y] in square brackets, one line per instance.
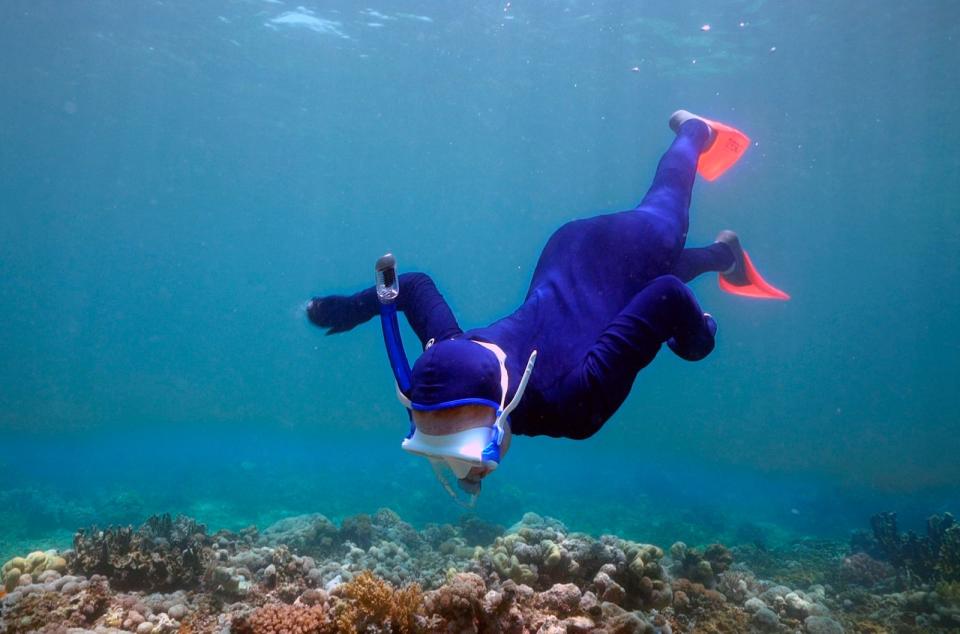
[607, 292]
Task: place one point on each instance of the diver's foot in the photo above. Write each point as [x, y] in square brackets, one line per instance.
[737, 273]
[678, 118]
[742, 278]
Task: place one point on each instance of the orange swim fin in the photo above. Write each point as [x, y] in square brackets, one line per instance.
[729, 145]
[755, 286]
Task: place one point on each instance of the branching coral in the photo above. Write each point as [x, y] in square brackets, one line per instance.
[280, 618]
[368, 601]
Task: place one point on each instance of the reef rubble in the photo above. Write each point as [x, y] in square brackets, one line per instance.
[377, 573]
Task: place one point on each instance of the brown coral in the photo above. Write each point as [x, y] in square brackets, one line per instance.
[719, 557]
[863, 570]
[280, 618]
[459, 603]
[368, 601]
[696, 595]
[39, 610]
[164, 554]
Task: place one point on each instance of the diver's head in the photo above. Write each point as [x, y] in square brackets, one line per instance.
[457, 389]
[456, 403]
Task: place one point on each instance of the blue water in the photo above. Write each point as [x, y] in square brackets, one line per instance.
[177, 178]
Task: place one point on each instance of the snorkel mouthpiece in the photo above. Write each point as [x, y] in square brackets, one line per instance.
[470, 486]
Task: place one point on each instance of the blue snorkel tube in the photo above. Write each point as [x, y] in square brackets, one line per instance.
[388, 289]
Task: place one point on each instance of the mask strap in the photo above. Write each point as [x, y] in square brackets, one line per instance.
[505, 412]
[403, 398]
[438, 470]
[406, 402]
[523, 384]
[502, 360]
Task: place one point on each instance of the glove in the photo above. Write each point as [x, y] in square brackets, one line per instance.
[338, 313]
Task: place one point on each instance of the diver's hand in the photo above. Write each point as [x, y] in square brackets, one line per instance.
[338, 313]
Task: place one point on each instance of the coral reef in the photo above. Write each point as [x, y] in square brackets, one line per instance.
[376, 573]
[477, 532]
[368, 602]
[163, 554]
[860, 569]
[540, 553]
[281, 618]
[34, 564]
[302, 533]
[62, 601]
[931, 557]
[702, 567]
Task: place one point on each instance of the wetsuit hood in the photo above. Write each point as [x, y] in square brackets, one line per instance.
[455, 372]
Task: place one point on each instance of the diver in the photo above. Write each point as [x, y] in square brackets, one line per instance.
[606, 294]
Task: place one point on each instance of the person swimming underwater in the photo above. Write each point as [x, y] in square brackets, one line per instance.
[606, 294]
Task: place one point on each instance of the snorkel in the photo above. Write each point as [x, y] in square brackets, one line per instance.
[388, 289]
[461, 452]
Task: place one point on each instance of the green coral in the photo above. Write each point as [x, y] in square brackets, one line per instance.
[949, 592]
[948, 562]
[643, 560]
[701, 566]
[933, 557]
[33, 564]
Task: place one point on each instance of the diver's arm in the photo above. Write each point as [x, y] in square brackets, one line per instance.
[419, 299]
[340, 313]
[664, 311]
[426, 310]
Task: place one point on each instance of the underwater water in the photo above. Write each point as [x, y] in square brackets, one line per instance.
[178, 178]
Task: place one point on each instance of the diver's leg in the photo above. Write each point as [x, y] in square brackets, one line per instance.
[646, 240]
[665, 310]
[668, 199]
[716, 258]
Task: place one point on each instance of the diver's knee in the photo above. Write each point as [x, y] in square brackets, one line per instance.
[668, 288]
[665, 300]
